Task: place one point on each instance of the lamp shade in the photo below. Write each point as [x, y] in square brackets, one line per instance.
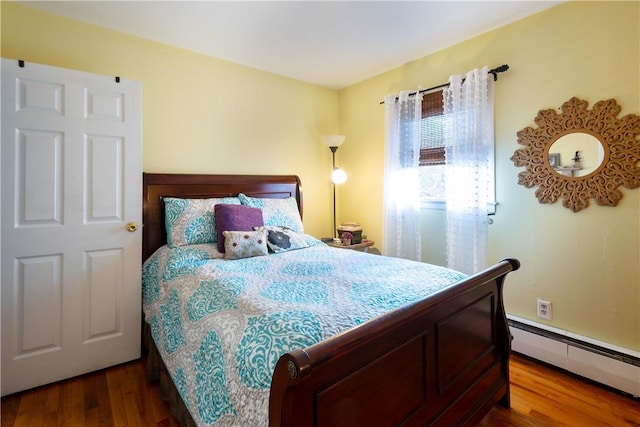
[333, 140]
[338, 176]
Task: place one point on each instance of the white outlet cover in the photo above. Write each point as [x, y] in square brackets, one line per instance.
[544, 309]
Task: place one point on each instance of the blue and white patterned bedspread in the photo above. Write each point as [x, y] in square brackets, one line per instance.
[220, 325]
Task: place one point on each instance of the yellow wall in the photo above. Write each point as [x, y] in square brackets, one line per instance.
[200, 114]
[586, 263]
[204, 115]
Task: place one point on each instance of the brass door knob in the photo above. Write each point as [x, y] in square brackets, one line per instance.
[132, 226]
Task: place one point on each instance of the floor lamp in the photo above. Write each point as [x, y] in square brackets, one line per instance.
[338, 176]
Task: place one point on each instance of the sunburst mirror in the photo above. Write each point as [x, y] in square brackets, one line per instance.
[580, 154]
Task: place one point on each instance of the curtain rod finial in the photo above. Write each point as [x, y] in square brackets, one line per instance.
[500, 69]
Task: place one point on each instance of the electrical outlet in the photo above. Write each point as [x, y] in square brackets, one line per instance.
[544, 309]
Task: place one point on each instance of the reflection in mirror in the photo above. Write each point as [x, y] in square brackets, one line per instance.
[589, 149]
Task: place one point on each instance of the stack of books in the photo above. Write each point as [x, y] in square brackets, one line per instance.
[352, 227]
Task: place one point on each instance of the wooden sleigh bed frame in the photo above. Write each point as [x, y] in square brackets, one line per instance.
[441, 361]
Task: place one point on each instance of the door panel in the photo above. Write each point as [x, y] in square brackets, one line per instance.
[38, 178]
[38, 288]
[71, 181]
[104, 286]
[104, 193]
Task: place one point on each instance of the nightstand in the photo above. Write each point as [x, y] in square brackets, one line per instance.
[362, 246]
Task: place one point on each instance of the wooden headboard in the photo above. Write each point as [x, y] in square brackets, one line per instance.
[155, 187]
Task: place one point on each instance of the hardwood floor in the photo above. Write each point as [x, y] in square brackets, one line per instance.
[117, 396]
[543, 396]
[121, 396]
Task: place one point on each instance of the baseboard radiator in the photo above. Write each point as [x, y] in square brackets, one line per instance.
[612, 366]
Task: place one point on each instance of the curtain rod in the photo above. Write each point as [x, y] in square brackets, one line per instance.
[495, 71]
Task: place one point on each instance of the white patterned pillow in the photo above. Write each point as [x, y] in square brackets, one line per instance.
[276, 212]
[283, 239]
[192, 221]
[244, 244]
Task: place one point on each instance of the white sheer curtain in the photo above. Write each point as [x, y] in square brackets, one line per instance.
[401, 192]
[468, 109]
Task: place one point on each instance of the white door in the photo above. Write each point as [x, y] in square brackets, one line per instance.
[71, 182]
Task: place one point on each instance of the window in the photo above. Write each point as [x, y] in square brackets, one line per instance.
[432, 153]
[432, 147]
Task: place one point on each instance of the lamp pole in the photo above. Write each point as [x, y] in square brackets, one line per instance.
[338, 176]
[333, 154]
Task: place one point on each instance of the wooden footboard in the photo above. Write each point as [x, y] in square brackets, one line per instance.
[441, 361]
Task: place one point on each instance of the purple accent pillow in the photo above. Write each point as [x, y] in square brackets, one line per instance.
[235, 218]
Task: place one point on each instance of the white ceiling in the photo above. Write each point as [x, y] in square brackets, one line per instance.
[329, 43]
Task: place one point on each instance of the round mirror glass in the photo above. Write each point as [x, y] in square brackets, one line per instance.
[576, 154]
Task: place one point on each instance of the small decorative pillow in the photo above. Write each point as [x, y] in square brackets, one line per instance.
[191, 221]
[244, 244]
[235, 218]
[276, 212]
[283, 239]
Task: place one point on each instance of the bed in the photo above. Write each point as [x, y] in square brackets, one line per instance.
[354, 341]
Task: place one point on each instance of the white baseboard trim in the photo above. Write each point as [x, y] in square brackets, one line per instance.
[607, 364]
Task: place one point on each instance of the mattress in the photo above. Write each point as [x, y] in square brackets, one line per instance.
[221, 325]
